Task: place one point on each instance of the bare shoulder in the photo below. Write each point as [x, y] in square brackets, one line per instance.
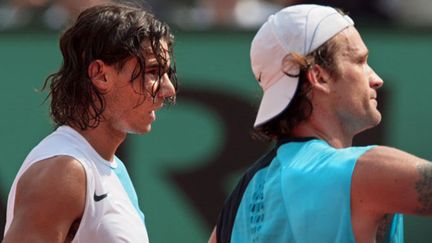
[59, 169]
[52, 193]
[389, 155]
[387, 162]
[393, 181]
[60, 179]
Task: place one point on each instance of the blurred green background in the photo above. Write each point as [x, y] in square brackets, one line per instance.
[217, 96]
[198, 148]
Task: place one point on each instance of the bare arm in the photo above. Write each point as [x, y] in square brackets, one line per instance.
[213, 236]
[388, 181]
[392, 181]
[50, 196]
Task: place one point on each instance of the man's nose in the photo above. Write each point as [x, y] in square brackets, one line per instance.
[167, 88]
[375, 81]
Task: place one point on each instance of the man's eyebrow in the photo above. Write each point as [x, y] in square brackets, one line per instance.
[361, 55]
[152, 65]
[155, 65]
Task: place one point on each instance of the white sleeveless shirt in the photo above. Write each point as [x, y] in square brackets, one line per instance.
[111, 211]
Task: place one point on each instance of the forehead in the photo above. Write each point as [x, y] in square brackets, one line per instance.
[151, 57]
[350, 43]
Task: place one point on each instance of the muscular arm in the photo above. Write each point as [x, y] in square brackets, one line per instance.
[388, 181]
[50, 196]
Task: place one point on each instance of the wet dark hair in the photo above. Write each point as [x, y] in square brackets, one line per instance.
[300, 108]
[113, 33]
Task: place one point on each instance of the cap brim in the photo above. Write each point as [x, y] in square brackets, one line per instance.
[275, 99]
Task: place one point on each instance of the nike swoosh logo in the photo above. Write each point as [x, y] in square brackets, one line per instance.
[97, 198]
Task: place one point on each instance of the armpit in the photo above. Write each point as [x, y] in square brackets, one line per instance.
[384, 227]
[424, 188]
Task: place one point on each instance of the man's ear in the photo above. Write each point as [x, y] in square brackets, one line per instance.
[97, 72]
[319, 78]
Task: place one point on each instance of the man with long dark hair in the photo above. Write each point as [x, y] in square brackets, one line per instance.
[314, 186]
[116, 73]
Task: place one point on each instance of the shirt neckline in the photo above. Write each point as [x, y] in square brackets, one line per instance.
[65, 129]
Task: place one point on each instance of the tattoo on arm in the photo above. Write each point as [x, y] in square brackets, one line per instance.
[424, 188]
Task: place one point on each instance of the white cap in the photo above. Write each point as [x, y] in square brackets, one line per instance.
[300, 29]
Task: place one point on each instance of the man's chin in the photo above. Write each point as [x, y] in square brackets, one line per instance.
[374, 121]
[140, 131]
[378, 118]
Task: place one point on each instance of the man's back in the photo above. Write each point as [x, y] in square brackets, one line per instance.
[301, 193]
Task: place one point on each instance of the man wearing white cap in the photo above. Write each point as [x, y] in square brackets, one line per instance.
[319, 92]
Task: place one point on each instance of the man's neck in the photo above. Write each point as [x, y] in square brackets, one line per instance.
[329, 131]
[104, 140]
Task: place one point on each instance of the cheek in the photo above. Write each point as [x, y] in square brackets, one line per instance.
[357, 80]
[152, 87]
[140, 93]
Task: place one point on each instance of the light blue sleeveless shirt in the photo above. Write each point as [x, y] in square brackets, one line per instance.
[303, 196]
[125, 180]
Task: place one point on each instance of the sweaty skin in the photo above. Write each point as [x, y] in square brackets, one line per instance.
[385, 180]
[52, 192]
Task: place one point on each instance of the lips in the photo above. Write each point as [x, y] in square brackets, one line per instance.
[375, 102]
[152, 113]
[159, 107]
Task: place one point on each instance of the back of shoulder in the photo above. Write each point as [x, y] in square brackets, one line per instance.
[56, 143]
[318, 152]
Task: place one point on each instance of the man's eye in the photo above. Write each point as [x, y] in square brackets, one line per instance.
[153, 72]
[363, 59]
